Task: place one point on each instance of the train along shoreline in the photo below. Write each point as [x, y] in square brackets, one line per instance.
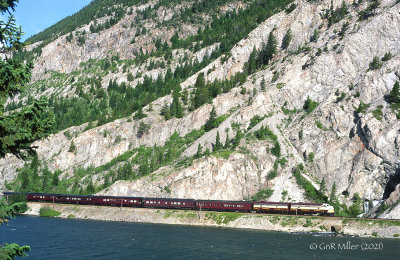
[355, 227]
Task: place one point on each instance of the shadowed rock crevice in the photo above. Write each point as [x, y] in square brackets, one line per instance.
[394, 180]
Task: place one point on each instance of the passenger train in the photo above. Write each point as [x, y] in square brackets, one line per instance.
[292, 208]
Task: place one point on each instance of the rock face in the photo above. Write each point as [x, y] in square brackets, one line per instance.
[212, 178]
[359, 152]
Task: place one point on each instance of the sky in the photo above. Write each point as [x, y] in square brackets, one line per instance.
[36, 15]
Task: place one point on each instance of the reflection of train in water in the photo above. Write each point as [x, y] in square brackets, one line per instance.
[170, 203]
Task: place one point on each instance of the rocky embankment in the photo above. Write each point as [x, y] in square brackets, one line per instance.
[356, 227]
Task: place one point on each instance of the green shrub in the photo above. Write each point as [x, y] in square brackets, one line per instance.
[308, 223]
[375, 64]
[262, 194]
[362, 108]
[310, 191]
[255, 120]
[143, 129]
[387, 56]
[48, 212]
[311, 157]
[276, 150]
[310, 105]
[356, 208]
[378, 112]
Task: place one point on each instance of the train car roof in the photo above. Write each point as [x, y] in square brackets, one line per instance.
[174, 199]
[287, 203]
[90, 196]
[116, 197]
[225, 201]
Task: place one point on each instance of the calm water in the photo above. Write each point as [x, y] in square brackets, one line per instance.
[53, 238]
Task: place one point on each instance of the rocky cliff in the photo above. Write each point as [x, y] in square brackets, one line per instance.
[343, 141]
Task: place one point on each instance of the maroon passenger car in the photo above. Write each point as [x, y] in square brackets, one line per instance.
[44, 197]
[169, 203]
[118, 201]
[223, 205]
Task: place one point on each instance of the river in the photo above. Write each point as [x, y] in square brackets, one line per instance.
[67, 239]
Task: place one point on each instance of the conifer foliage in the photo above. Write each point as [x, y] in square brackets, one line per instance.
[18, 130]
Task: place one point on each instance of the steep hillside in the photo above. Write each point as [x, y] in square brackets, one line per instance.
[221, 100]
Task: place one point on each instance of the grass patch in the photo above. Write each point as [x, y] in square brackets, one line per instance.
[222, 154]
[168, 213]
[380, 222]
[275, 219]
[322, 227]
[223, 218]
[71, 216]
[188, 215]
[308, 223]
[48, 212]
[289, 221]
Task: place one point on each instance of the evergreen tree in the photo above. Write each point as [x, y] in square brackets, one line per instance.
[276, 150]
[185, 96]
[356, 208]
[287, 39]
[176, 106]
[332, 197]
[263, 84]
[46, 175]
[72, 147]
[168, 115]
[106, 182]
[35, 167]
[139, 114]
[143, 167]
[90, 187]
[252, 65]
[55, 180]
[130, 77]
[201, 95]
[199, 151]
[25, 179]
[394, 96]
[211, 120]
[322, 186]
[218, 145]
[164, 109]
[238, 137]
[315, 36]
[270, 49]
[227, 141]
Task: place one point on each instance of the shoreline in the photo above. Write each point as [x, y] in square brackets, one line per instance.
[282, 223]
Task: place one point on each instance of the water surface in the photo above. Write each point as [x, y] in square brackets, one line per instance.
[67, 239]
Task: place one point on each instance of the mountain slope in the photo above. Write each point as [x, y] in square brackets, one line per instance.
[312, 96]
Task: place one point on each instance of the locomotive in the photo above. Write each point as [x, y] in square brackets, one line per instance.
[293, 208]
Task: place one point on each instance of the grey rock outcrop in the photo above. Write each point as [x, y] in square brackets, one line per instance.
[357, 151]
